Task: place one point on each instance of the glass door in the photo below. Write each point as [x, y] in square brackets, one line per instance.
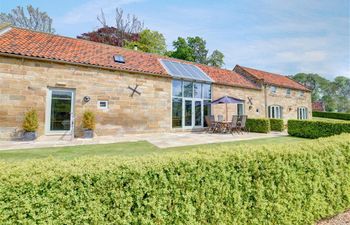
[188, 113]
[60, 111]
[198, 113]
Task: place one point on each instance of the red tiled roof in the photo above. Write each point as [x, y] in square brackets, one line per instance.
[274, 79]
[229, 77]
[23, 42]
[42, 45]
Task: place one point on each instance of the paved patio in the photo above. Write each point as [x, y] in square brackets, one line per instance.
[161, 140]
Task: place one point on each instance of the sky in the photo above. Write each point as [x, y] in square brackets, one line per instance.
[281, 36]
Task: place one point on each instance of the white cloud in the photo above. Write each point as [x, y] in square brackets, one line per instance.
[88, 11]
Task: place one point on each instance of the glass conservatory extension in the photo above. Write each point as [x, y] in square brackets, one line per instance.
[190, 103]
[191, 94]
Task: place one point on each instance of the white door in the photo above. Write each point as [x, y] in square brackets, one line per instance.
[60, 111]
[192, 113]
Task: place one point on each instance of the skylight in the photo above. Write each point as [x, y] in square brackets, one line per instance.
[119, 58]
[185, 71]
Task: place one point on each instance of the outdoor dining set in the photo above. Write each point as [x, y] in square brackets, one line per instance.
[236, 125]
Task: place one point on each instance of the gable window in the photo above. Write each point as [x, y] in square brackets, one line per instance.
[275, 112]
[288, 92]
[273, 89]
[102, 104]
[302, 113]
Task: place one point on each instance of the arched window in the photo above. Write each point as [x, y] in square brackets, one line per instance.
[275, 112]
[302, 113]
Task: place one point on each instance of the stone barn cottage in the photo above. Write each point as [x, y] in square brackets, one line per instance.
[129, 91]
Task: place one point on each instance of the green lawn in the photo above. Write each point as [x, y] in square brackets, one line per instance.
[328, 119]
[126, 149]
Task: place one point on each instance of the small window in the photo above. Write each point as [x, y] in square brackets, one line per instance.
[273, 89]
[288, 91]
[302, 113]
[301, 93]
[275, 112]
[102, 104]
[119, 58]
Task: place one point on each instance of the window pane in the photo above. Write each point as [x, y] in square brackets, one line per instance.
[207, 91]
[206, 111]
[188, 112]
[240, 109]
[197, 90]
[60, 110]
[177, 88]
[188, 89]
[177, 112]
[198, 113]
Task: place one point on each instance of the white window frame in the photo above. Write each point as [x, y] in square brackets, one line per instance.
[288, 92]
[243, 110]
[273, 89]
[275, 112]
[301, 94]
[102, 107]
[302, 113]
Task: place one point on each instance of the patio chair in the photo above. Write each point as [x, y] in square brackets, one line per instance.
[210, 120]
[241, 124]
[233, 125]
[220, 125]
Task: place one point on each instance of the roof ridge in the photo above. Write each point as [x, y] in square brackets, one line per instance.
[277, 74]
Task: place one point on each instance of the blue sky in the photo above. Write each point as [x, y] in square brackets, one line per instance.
[275, 35]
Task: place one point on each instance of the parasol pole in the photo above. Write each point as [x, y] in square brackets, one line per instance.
[226, 112]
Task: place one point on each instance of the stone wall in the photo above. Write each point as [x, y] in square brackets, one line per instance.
[289, 103]
[24, 85]
[255, 110]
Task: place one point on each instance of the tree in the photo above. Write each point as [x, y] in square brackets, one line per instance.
[198, 46]
[216, 59]
[182, 50]
[194, 49]
[335, 94]
[149, 41]
[126, 29]
[32, 19]
[110, 36]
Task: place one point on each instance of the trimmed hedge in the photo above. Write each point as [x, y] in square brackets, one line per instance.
[316, 129]
[258, 125]
[296, 183]
[332, 115]
[277, 124]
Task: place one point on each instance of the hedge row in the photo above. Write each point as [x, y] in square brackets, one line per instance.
[332, 115]
[277, 124]
[260, 125]
[316, 129]
[296, 183]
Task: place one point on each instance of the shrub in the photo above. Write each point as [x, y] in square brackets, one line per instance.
[298, 183]
[316, 129]
[258, 125]
[332, 115]
[89, 122]
[277, 124]
[30, 123]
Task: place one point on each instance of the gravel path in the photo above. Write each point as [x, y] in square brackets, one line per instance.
[341, 219]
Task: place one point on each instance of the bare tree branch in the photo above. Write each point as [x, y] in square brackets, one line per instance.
[32, 19]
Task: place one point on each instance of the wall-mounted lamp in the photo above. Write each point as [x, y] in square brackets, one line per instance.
[86, 99]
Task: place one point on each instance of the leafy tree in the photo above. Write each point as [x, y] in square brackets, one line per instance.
[216, 59]
[335, 94]
[110, 36]
[199, 51]
[149, 41]
[30, 18]
[126, 29]
[182, 50]
[194, 49]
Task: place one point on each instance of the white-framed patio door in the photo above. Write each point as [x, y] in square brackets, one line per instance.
[192, 113]
[59, 117]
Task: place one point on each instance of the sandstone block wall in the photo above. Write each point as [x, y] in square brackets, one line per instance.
[24, 84]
